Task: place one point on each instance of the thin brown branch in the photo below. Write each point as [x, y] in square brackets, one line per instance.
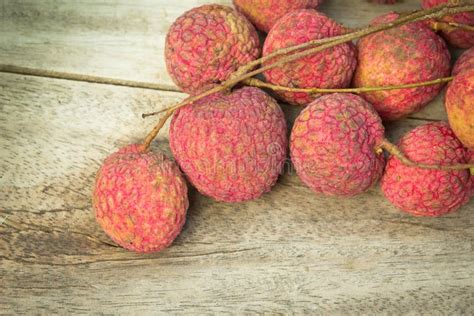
[260, 84]
[432, 13]
[395, 151]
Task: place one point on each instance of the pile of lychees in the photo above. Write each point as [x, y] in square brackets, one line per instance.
[232, 145]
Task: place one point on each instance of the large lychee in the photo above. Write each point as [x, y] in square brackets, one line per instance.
[407, 54]
[231, 146]
[456, 37]
[140, 199]
[459, 103]
[464, 62]
[331, 68]
[265, 13]
[333, 145]
[207, 44]
[423, 192]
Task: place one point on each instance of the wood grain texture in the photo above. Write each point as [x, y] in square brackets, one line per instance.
[290, 251]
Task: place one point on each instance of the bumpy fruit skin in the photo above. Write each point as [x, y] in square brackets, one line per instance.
[140, 199]
[265, 13]
[407, 54]
[333, 143]
[232, 147]
[331, 68]
[464, 62]
[459, 103]
[206, 44]
[423, 192]
[457, 38]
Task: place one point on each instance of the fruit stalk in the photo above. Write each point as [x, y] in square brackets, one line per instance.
[245, 71]
[260, 84]
[393, 150]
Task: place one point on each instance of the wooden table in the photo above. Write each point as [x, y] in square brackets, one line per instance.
[290, 251]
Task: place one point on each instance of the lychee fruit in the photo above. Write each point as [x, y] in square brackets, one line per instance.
[457, 37]
[424, 192]
[140, 199]
[231, 146]
[333, 145]
[464, 62]
[408, 54]
[459, 102]
[205, 45]
[265, 13]
[330, 68]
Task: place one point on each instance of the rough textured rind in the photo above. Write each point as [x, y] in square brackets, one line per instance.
[265, 13]
[458, 38]
[464, 62]
[206, 44]
[140, 199]
[459, 103]
[331, 68]
[423, 192]
[333, 142]
[232, 147]
[407, 54]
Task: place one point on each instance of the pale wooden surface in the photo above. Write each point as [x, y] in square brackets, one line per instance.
[290, 251]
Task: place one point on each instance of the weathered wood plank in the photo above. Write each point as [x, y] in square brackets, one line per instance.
[117, 38]
[291, 250]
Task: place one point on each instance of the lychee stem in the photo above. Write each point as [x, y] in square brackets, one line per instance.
[260, 84]
[154, 132]
[449, 26]
[323, 44]
[396, 152]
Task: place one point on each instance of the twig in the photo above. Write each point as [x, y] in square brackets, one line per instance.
[395, 151]
[327, 43]
[260, 84]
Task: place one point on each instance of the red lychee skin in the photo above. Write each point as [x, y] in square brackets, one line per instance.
[207, 44]
[331, 68]
[407, 54]
[457, 38]
[464, 62]
[265, 13]
[333, 143]
[140, 199]
[232, 147]
[423, 192]
[459, 104]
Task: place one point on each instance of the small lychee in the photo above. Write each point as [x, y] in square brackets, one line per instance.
[265, 13]
[423, 192]
[459, 104]
[333, 145]
[205, 45]
[231, 146]
[408, 54]
[140, 199]
[330, 68]
[464, 62]
[457, 37]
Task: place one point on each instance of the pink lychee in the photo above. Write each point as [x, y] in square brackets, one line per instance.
[423, 192]
[459, 104]
[232, 147]
[464, 62]
[140, 199]
[207, 44]
[265, 13]
[333, 145]
[331, 68]
[407, 54]
[458, 37]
